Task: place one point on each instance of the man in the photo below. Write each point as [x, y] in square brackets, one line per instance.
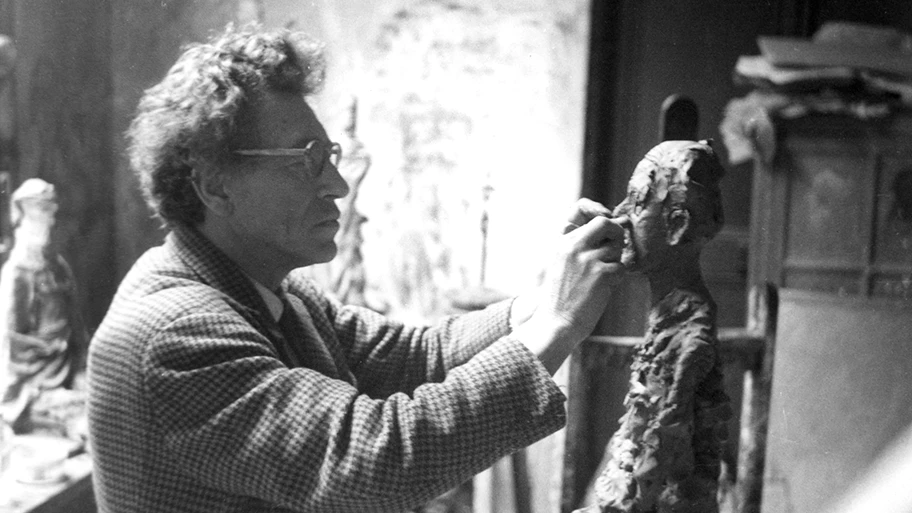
[223, 380]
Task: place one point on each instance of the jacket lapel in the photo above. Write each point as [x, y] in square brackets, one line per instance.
[296, 340]
[303, 339]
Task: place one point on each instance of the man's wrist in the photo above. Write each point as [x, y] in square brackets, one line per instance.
[551, 343]
[521, 310]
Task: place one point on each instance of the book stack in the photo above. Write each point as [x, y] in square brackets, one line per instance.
[848, 60]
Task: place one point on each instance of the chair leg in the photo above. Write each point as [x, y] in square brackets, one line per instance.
[763, 308]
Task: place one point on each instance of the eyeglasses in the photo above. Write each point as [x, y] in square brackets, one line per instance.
[315, 154]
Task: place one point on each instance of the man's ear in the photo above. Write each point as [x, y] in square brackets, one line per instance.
[678, 224]
[209, 185]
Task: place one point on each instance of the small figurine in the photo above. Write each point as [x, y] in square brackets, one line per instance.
[41, 335]
[665, 457]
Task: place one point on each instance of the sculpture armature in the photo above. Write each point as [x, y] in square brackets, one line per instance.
[665, 455]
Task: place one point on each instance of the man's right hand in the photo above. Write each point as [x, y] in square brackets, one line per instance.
[577, 284]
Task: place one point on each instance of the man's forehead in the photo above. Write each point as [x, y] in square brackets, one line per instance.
[281, 120]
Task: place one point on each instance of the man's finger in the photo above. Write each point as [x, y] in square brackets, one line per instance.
[609, 252]
[569, 227]
[585, 209]
[616, 269]
[600, 231]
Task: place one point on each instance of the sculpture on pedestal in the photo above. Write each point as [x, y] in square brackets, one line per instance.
[41, 337]
[665, 457]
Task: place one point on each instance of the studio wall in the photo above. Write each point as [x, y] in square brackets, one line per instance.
[61, 130]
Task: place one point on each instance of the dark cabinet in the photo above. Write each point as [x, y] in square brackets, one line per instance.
[833, 213]
[832, 227]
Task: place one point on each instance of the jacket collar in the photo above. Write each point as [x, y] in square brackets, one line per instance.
[214, 267]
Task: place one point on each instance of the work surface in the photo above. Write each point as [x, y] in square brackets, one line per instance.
[72, 494]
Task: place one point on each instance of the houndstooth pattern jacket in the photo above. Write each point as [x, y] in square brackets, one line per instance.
[200, 401]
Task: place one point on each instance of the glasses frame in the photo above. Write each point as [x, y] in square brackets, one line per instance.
[333, 156]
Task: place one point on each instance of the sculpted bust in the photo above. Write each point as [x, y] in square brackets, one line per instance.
[665, 455]
[40, 336]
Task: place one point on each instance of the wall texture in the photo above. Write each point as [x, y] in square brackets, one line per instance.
[145, 41]
[63, 126]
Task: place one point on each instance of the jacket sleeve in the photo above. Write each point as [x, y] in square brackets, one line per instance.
[388, 356]
[232, 415]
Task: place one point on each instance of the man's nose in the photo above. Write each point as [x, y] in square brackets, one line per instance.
[333, 184]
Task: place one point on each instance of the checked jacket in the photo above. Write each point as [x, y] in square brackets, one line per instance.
[199, 400]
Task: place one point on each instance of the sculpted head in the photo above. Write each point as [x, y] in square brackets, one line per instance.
[673, 203]
[34, 203]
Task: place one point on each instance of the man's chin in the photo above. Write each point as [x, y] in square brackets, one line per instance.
[326, 254]
[321, 254]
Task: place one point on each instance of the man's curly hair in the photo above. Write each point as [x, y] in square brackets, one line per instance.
[192, 114]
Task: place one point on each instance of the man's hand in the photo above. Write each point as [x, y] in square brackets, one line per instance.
[584, 211]
[577, 285]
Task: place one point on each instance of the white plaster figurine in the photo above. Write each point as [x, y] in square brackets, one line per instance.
[665, 457]
[41, 336]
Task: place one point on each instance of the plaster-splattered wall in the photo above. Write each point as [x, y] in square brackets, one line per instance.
[454, 97]
[462, 99]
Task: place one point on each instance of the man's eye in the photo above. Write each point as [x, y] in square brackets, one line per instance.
[315, 158]
[297, 166]
[300, 167]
